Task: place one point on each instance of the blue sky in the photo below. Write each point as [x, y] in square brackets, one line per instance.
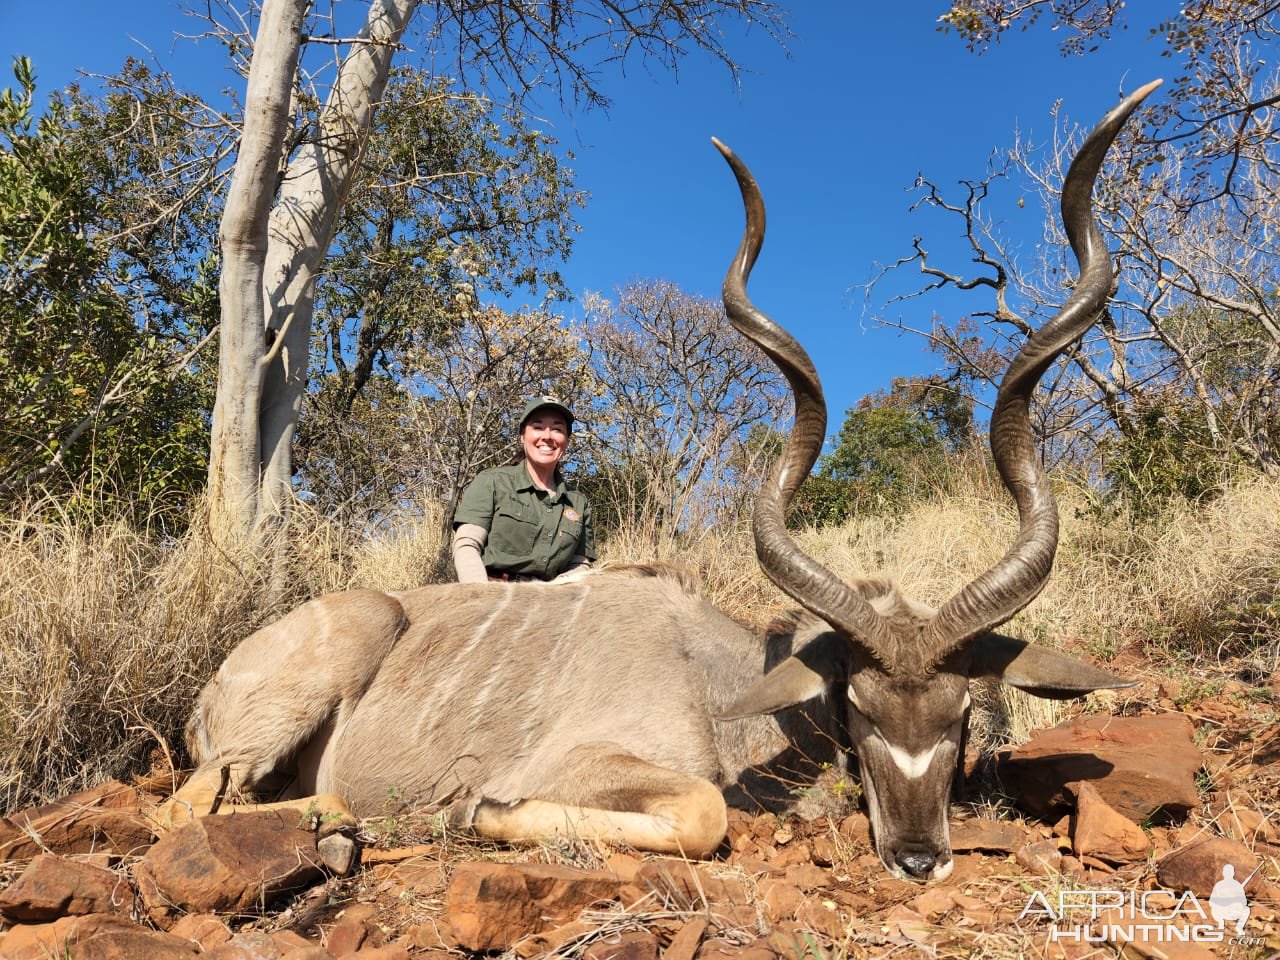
[835, 128]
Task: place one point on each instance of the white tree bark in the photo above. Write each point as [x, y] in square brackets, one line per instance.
[234, 456]
[315, 187]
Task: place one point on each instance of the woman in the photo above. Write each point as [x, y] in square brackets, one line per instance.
[520, 522]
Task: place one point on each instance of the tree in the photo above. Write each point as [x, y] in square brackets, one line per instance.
[681, 391]
[455, 201]
[106, 288]
[892, 449]
[1188, 205]
[419, 432]
[278, 222]
[275, 232]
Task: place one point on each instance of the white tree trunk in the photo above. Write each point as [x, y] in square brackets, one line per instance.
[234, 455]
[315, 187]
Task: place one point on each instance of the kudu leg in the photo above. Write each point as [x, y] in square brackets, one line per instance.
[276, 701]
[619, 798]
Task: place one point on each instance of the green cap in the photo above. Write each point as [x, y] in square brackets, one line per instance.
[539, 403]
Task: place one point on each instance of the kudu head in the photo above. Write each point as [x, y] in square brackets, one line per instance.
[911, 664]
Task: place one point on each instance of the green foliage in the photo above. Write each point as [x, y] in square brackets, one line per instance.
[55, 326]
[1163, 453]
[109, 210]
[981, 22]
[91, 399]
[1184, 444]
[455, 198]
[892, 449]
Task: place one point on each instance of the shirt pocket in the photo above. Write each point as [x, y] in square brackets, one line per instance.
[570, 530]
[513, 533]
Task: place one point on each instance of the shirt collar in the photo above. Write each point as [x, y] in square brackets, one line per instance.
[525, 482]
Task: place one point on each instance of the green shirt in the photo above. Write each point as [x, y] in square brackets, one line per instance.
[531, 531]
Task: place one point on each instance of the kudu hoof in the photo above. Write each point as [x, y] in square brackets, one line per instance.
[339, 853]
[171, 815]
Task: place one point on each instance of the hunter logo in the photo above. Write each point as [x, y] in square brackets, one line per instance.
[1228, 900]
[1147, 916]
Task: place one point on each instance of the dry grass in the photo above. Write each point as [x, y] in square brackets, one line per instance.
[1197, 584]
[106, 635]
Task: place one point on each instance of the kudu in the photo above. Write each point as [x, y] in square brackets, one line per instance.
[604, 708]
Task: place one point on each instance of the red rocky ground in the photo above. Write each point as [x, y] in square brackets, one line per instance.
[1157, 795]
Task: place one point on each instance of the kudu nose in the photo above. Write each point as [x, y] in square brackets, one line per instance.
[917, 862]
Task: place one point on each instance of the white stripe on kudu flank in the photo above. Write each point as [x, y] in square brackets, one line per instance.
[484, 627]
[454, 677]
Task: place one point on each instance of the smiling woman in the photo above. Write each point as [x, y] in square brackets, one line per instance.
[520, 522]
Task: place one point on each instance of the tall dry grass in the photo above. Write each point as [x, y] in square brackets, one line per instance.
[107, 634]
[1196, 585]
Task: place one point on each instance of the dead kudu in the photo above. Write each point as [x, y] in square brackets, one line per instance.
[605, 708]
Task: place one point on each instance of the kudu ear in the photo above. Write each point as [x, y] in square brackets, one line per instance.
[806, 674]
[1037, 670]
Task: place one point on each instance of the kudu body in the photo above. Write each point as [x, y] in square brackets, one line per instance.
[607, 707]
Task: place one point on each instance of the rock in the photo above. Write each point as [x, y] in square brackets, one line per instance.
[1164, 945]
[633, 945]
[1236, 815]
[935, 901]
[689, 884]
[430, 938]
[1099, 831]
[794, 854]
[1198, 866]
[53, 887]
[226, 864]
[135, 944]
[781, 899]
[684, 945]
[1139, 765]
[491, 906]
[260, 945]
[1041, 857]
[392, 951]
[107, 818]
[807, 876]
[825, 851]
[856, 828]
[822, 917]
[63, 937]
[352, 930]
[996, 836]
[427, 878]
[624, 866]
[762, 948]
[550, 941]
[204, 929]
[911, 925]
[246, 945]
[289, 942]
[338, 852]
